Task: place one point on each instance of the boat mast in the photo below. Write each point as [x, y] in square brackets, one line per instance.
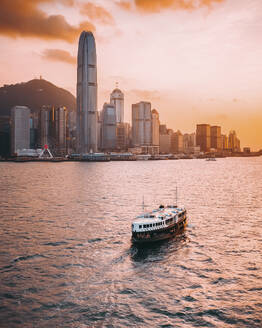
[143, 204]
[176, 195]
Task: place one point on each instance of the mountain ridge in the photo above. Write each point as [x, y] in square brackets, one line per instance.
[34, 94]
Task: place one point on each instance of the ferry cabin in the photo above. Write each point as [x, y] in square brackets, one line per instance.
[159, 224]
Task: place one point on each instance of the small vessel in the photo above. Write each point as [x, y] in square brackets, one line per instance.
[211, 158]
[160, 224]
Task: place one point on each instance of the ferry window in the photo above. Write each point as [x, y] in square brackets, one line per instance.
[140, 226]
[144, 226]
[150, 224]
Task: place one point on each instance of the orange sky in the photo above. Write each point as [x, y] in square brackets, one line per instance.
[197, 61]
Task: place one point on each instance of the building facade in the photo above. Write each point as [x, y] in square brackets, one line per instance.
[141, 124]
[203, 137]
[53, 129]
[117, 99]
[177, 142]
[108, 127]
[122, 136]
[233, 142]
[216, 139]
[86, 126]
[224, 141]
[20, 129]
[155, 127]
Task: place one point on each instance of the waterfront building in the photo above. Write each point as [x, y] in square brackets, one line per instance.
[165, 143]
[216, 140]
[61, 130]
[122, 136]
[20, 128]
[189, 140]
[246, 150]
[155, 127]
[162, 129]
[53, 129]
[141, 124]
[86, 94]
[233, 142]
[224, 142]
[203, 137]
[99, 130]
[117, 99]
[5, 136]
[177, 144]
[108, 121]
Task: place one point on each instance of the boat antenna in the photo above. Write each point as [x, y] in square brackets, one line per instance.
[143, 204]
[176, 195]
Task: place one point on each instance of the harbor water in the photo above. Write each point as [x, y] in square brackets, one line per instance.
[66, 259]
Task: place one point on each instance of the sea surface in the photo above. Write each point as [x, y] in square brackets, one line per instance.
[66, 259]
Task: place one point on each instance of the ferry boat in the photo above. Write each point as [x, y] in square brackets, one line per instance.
[160, 224]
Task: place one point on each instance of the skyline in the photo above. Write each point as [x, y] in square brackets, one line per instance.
[195, 63]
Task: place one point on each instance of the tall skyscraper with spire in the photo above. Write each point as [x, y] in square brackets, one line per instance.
[86, 94]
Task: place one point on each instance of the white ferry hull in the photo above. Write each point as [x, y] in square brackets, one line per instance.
[154, 236]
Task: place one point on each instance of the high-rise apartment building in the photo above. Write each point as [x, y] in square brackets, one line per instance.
[203, 137]
[233, 142]
[224, 141]
[53, 129]
[117, 99]
[122, 136]
[162, 129]
[141, 124]
[177, 142]
[108, 127]
[61, 130]
[216, 140]
[5, 136]
[155, 127]
[86, 127]
[165, 141]
[20, 128]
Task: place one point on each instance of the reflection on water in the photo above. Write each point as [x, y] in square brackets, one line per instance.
[66, 259]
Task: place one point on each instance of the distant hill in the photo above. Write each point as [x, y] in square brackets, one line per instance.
[34, 94]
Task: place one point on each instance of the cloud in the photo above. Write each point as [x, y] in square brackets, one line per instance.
[59, 55]
[145, 95]
[97, 13]
[154, 6]
[23, 18]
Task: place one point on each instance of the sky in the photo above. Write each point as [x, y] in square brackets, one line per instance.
[196, 61]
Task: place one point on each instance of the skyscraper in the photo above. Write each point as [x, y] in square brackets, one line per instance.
[108, 127]
[216, 141]
[141, 124]
[20, 128]
[86, 94]
[203, 137]
[117, 99]
[177, 144]
[53, 129]
[155, 127]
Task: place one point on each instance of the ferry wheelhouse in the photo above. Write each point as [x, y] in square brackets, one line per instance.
[160, 224]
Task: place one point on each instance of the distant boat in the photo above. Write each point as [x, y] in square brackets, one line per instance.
[143, 157]
[211, 159]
